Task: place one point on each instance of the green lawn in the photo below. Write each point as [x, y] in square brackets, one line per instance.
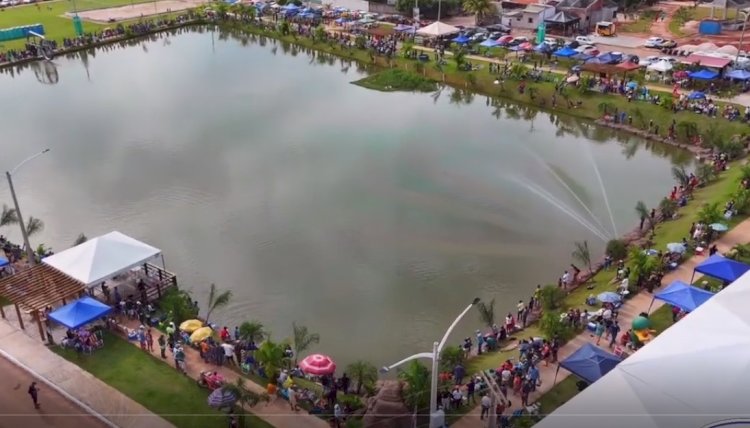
[151, 383]
[642, 25]
[52, 16]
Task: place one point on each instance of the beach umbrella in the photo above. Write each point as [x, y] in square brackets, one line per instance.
[696, 95]
[608, 297]
[221, 398]
[719, 227]
[190, 326]
[676, 247]
[632, 85]
[317, 364]
[201, 334]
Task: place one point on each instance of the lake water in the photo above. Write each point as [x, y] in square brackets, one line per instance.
[373, 218]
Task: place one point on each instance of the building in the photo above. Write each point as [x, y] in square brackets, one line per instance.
[589, 11]
[528, 17]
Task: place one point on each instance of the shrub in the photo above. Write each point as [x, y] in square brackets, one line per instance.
[617, 249]
[551, 297]
[353, 401]
[451, 357]
[552, 325]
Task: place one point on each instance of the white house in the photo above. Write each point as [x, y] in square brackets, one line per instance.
[530, 17]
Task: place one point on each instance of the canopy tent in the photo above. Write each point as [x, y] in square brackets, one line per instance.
[660, 66]
[739, 74]
[590, 362]
[696, 95]
[684, 296]
[3, 262]
[565, 52]
[704, 74]
[402, 28]
[489, 43]
[660, 386]
[720, 267]
[609, 58]
[461, 39]
[563, 21]
[80, 312]
[542, 48]
[437, 29]
[102, 258]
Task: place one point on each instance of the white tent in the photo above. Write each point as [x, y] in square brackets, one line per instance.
[660, 66]
[437, 29]
[693, 375]
[102, 258]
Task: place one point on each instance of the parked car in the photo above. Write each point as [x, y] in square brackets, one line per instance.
[551, 42]
[668, 44]
[518, 40]
[572, 44]
[587, 49]
[478, 37]
[584, 40]
[500, 28]
[495, 35]
[653, 42]
[631, 58]
[505, 40]
[671, 59]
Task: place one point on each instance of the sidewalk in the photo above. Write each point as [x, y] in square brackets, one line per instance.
[740, 234]
[277, 412]
[103, 399]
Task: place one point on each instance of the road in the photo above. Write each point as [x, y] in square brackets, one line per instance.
[17, 409]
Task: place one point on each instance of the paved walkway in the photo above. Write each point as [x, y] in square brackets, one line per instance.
[640, 303]
[277, 412]
[100, 397]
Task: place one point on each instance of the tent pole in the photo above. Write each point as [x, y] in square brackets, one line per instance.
[692, 277]
[163, 265]
[649, 306]
[554, 382]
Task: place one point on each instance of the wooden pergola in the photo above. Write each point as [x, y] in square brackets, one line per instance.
[36, 288]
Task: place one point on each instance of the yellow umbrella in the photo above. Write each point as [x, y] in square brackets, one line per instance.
[201, 334]
[190, 326]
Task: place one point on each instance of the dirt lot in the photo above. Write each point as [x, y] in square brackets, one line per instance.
[122, 13]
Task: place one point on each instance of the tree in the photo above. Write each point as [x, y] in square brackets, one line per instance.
[80, 239]
[487, 312]
[217, 300]
[583, 254]
[243, 396]
[451, 357]
[364, 373]
[252, 331]
[459, 55]
[8, 216]
[34, 226]
[303, 339]
[681, 176]
[320, 33]
[617, 249]
[642, 265]
[668, 208]
[270, 356]
[552, 297]
[178, 305]
[705, 173]
[417, 378]
[687, 130]
[605, 107]
[552, 325]
[644, 213]
[710, 213]
[480, 8]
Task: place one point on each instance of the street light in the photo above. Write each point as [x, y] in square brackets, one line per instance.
[24, 233]
[435, 357]
[746, 13]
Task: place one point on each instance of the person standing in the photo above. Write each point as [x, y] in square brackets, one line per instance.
[34, 393]
[163, 346]
[599, 331]
[293, 399]
[614, 330]
[486, 403]
[149, 340]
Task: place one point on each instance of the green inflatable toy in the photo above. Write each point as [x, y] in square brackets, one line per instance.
[641, 323]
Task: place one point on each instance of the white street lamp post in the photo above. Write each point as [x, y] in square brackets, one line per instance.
[24, 232]
[746, 14]
[437, 348]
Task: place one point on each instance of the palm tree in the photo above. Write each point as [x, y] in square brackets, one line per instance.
[252, 331]
[583, 254]
[270, 356]
[80, 239]
[417, 378]
[487, 313]
[303, 339]
[687, 129]
[705, 173]
[34, 226]
[364, 373]
[243, 395]
[710, 213]
[668, 208]
[643, 213]
[480, 9]
[8, 216]
[217, 300]
[605, 107]
[681, 176]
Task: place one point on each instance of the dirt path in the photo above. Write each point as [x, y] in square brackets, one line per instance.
[640, 303]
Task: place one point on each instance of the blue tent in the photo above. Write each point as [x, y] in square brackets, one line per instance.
[582, 57]
[489, 43]
[704, 74]
[341, 20]
[739, 74]
[565, 52]
[307, 15]
[291, 6]
[590, 363]
[461, 39]
[720, 267]
[696, 95]
[543, 48]
[80, 312]
[3, 262]
[609, 58]
[684, 296]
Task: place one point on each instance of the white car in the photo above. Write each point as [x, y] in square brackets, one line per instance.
[653, 42]
[668, 59]
[584, 40]
[648, 60]
[585, 49]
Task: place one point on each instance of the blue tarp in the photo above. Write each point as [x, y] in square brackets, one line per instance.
[80, 312]
[739, 74]
[291, 6]
[460, 39]
[684, 296]
[489, 43]
[720, 267]
[404, 28]
[609, 58]
[590, 362]
[704, 74]
[543, 48]
[696, 95]
[565, 52]
[3, 261]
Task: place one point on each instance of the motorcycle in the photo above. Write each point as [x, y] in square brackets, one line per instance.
[210, 380]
